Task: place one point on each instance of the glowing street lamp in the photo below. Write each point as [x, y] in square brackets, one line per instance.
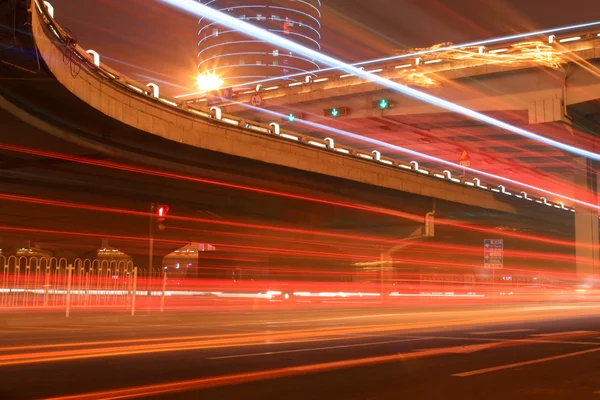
[208, 82]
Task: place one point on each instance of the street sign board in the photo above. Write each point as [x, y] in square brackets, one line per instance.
[256, 100]
[383, 104]
[464, 159]
[493, 253]
[336, 111]
[219, 97]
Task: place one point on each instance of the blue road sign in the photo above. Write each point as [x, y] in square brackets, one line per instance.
[493, 253]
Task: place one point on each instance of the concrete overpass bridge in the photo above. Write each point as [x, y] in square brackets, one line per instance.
[66, 101]
[550, 88]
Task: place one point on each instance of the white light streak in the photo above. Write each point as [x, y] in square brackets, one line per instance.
[251, 30]
[571, 39]
[443, 49]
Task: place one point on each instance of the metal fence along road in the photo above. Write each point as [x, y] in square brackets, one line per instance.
[54, 283]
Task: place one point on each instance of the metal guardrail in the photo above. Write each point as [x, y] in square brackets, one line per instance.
[91, 61]
[56, 284]
[31, 282]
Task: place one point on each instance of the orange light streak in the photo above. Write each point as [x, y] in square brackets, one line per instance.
[210, 382]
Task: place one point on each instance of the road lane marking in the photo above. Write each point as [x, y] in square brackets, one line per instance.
[524, 363]
[567, 333]
[335, 318]
[47, 328]
[298, 324]
[467, 349]
[505, 340]
[504, 331]
[268, 353]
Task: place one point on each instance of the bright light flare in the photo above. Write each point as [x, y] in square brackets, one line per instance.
[208, 82]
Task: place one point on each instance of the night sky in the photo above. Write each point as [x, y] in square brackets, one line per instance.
[149, 41]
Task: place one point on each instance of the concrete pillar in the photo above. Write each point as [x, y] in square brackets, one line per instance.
[586, 219]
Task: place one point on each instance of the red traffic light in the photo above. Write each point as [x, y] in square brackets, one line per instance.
[163, 210]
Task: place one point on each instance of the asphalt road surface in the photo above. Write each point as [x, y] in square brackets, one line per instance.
[528, 351]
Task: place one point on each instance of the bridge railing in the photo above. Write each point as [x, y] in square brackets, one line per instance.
[445, 57]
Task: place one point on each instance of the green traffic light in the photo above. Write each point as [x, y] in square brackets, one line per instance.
[335, 112]
[291, 117]
[383, 104]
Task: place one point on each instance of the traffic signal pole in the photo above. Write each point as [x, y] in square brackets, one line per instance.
[151, 237]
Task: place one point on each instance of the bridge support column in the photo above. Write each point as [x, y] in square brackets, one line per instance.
[587, 250]
[386, 260]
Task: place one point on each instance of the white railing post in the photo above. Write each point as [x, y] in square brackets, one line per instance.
[95, 56]
[46, 285]
[134, 291]
[276, 128]
[217, 110]
[164, 287]
[49, 8]
[69, 277]
[155, 90]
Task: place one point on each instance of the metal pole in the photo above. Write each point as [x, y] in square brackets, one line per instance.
[381, 261]
[69, 274]
[162, 299]
[151, 237]
[150, 254]
[46, 285]
[134, 291]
